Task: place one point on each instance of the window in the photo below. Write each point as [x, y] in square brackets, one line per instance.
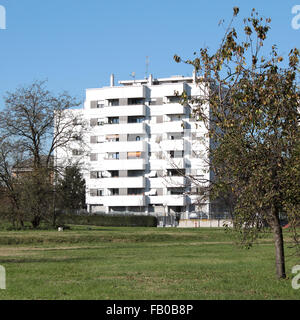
[132, 101]
[76, 152]
[114, 192]
[77, 137]
[132, 119]
[114, 155]
[113, 102]
[95, 175]
[96, 192]
[138, 138]
[175, 191]
[135, 191]
[100, 122]
[134, 155]
[112, 138]
[113, 120]
[100, 104]
[114, 173]
[173, 99]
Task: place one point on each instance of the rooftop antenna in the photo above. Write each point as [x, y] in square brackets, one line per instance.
[133, 76]
[147, 66]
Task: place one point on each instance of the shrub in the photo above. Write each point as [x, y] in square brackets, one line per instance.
[108, 220]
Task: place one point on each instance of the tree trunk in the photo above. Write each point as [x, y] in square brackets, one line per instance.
[279, 246]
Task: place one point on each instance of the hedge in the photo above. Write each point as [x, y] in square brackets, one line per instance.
[107, 220]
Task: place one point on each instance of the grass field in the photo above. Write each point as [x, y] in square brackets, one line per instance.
[140, 263]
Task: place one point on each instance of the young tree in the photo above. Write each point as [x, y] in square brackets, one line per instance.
[70, 190]
[253, 124]
[34, 123]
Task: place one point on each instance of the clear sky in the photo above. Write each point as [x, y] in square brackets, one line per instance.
[77, 44]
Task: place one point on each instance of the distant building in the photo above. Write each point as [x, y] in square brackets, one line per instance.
[141, 146]
[25, 167]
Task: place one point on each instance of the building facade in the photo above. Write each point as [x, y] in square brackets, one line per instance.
[141, 146]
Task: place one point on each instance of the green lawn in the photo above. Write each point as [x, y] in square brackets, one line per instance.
[140, 263]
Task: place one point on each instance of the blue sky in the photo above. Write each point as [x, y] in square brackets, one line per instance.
[77, 44]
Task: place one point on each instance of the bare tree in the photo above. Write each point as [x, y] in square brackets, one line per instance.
[33, 124]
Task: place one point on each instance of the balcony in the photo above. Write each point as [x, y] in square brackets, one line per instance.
[125, 146]
[121, 201]
[126, 128]
[173, 181]
[168, 108]
[117, 182]
[132, 110]
[170, 126]
[176, 145]
[168, 200]
[132, 164]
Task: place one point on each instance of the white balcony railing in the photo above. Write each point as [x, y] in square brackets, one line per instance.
[173, 181]
[132, 164]
[117, 182]
[126, 128]
[128, 110]
[168, 200]
[127, 146]
[120, 201]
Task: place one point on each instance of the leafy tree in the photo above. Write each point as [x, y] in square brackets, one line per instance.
[253, 124]
[70, 190]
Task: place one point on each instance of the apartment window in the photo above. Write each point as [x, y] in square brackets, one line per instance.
[100, 122]
[114, 192]
[175, 191]
[176, 117]
[135, 191]
[173, 99]
[176, 172]
[114, 173]
[100, 104]
[76, 152]
[136, 173]
[113, 155]
[176, 154]
[176, 136]
[112, 138]
[113, 102]
[135, 119]
[132, 101]
[113, 120]
[95, 175]
[77, 137]
[152, 102]
[134, 155]
[96, 192]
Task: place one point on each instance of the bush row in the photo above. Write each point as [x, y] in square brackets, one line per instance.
[108, 220]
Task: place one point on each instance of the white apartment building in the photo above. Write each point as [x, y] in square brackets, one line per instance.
[141, 146]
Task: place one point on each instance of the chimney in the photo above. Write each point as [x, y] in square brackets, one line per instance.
[150, 80]
[194, 76]
[112, 80]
